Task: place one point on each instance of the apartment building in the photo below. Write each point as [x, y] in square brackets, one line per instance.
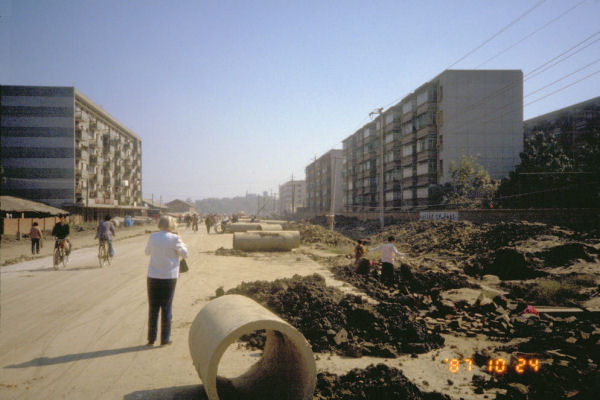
[60, 148]
[292, 195]
[460, 112]
[324, 183]
[569, 123]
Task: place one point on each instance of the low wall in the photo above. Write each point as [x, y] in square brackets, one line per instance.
[578, 218]
[20, 226]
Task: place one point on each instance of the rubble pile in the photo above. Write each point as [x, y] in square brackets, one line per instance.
[311, 234]
[345, 324]
[568, 353]
[373, 383]
[221, 251]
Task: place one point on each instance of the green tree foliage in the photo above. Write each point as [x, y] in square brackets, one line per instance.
[555, 171]
[471, 186]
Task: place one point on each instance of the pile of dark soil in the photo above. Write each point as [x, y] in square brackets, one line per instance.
[221, 251]
[373, 383]
[310, 234]
[437, 237]
[345, 324]
[569, 358]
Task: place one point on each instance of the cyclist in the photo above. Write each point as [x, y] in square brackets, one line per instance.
[61, 231]
[105, 231]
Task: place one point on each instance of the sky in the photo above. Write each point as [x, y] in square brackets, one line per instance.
[232, 97]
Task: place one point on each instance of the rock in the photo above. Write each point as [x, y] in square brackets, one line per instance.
[519, 387]
[341, 337]
[331, 332]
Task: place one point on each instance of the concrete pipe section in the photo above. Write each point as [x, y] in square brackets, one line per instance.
[266, 241]
[286, 370]
[243, 227]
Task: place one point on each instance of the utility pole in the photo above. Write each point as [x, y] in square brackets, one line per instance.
[293, 195]
[332, 207]
[381, 202]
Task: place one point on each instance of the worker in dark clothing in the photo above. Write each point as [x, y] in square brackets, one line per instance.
[61, 231]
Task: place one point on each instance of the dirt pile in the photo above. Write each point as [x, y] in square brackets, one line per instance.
[221, 251]
[311, 234]
[373, 383]
[345, 324]
[568, 354]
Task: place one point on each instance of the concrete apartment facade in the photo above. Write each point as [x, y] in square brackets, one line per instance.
[60, 148]
[460, 112]
[324, 179]
[292, 195]
[572, 121]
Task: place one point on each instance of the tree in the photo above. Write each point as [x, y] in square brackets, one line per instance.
[554, 172]
[470, 187]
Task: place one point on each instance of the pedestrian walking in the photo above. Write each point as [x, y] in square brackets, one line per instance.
[164, 248]
[36, 236]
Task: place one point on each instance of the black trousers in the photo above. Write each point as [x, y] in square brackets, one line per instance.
[35, 246]
[160, 298]
[387, 273]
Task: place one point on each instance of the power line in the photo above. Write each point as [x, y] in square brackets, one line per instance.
[528, 75]
[532, 33]
[497, 33]
[560, 79]
[563, 88]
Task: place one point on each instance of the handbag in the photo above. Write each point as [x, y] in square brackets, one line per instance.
[183, 267]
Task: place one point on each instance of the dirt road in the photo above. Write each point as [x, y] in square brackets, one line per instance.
[80, 332]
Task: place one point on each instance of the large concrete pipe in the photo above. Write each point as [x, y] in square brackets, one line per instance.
[286, 370]
[254, 226]
[273, 221]
[243, 227]
[266, 241]
[270, 227]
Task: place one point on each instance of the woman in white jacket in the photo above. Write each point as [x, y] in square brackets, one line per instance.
[164, 249]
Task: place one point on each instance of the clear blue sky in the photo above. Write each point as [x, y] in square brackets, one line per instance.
[236, 96]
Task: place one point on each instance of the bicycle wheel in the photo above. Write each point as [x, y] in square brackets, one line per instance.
[101, 255]
[107, 254]
[65, 258]
[56, 259]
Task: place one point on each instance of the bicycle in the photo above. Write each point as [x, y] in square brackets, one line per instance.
[103, 253]
[60, 254]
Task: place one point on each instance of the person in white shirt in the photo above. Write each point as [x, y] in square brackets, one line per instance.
[164, 249]
[388, 255]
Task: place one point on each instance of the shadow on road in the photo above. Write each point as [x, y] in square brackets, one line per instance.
[42, 361]
[189, 392]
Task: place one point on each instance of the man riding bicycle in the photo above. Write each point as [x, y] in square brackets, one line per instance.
[60, 232]
[105, 232]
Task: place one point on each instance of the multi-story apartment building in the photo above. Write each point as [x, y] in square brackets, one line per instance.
[569, 123]
[292, 195]
[459, 112]
[324, 183]
[60, 148]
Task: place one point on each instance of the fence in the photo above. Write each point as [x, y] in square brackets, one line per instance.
[577, 218]
[20, 226]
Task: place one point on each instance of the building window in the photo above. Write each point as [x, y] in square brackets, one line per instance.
[441, 142]
[441, 171]
[440, 120]
[440, 93]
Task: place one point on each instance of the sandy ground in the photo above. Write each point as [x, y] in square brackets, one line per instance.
[80, 332]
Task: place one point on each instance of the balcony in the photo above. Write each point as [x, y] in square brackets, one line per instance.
[426, 155]
[429, 105]
[426, 131]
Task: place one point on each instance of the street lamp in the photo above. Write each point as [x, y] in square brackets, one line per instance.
[379, 111]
